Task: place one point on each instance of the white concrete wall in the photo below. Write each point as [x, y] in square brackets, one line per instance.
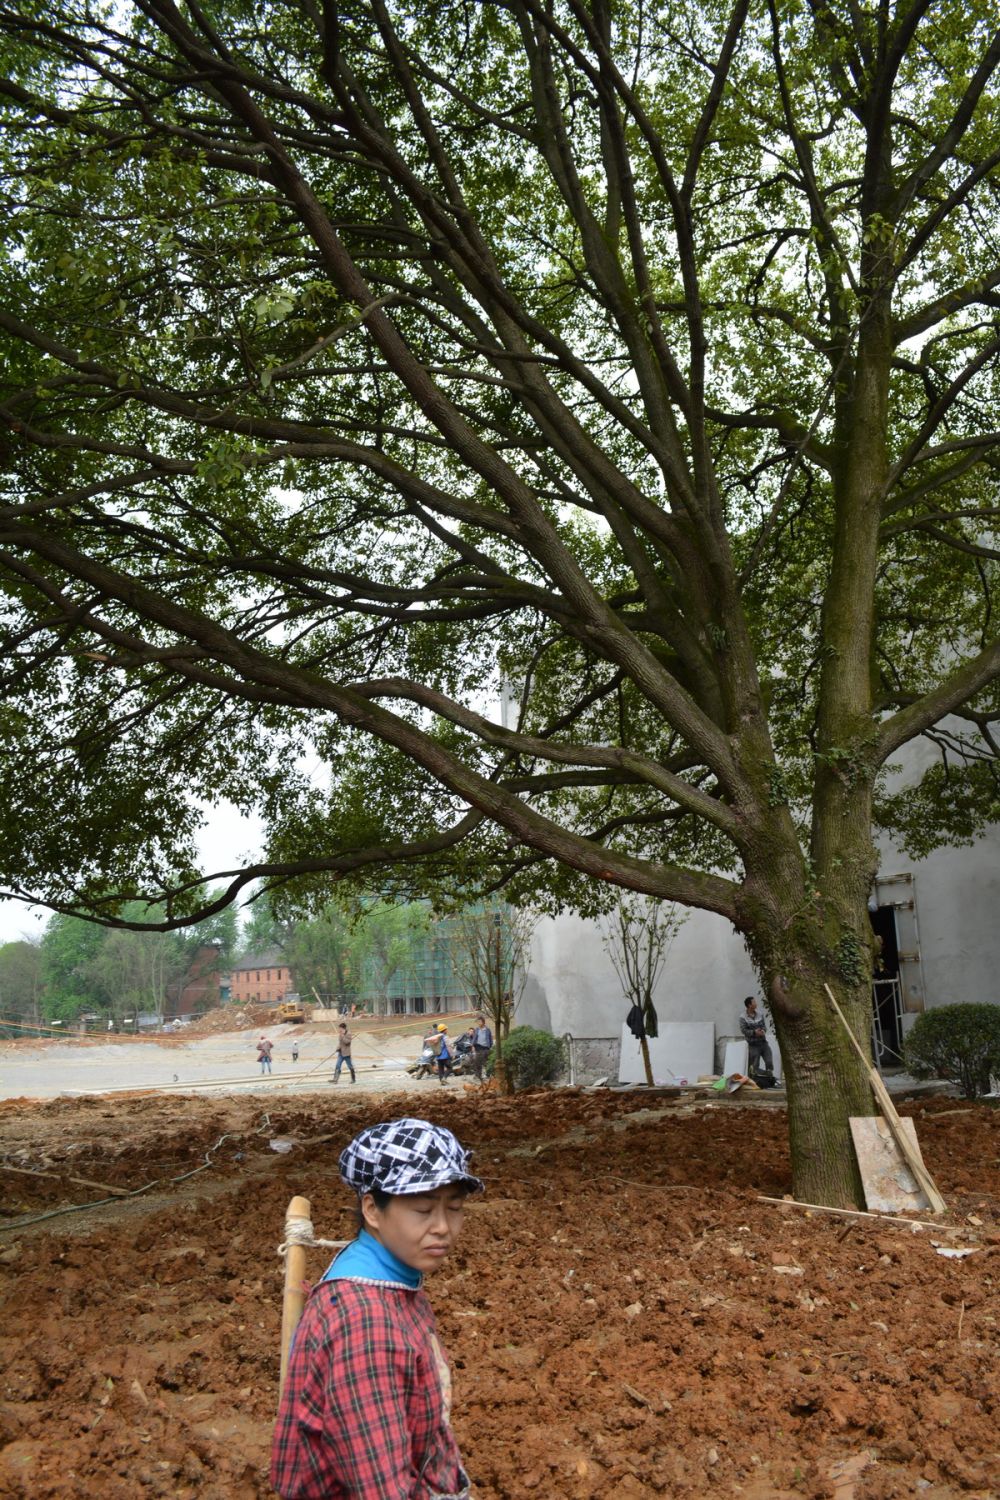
[573, 987]
[957, 895]
[957, 900]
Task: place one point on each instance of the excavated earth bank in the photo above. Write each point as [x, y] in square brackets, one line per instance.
[624, 1317]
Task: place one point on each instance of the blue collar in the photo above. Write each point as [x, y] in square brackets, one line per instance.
[367, 1259]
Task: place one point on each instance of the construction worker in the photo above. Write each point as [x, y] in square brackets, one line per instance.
[445, 1054]
[366, 1402]
[344, 1053]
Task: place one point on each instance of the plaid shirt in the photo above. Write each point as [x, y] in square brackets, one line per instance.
[365, 1407]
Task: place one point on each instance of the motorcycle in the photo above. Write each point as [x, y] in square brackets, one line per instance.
[426, 1064]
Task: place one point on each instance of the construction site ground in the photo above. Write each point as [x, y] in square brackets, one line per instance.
[214, 1052]
[625, 1315]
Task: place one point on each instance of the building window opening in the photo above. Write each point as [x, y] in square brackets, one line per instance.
[886, 1002]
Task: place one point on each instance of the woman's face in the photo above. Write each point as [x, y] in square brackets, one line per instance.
[419, 1228]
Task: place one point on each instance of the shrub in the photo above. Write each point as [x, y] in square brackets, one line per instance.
[532, 1056]
[958, 1042]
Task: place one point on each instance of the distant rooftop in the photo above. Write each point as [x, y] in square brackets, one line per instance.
[271, 958]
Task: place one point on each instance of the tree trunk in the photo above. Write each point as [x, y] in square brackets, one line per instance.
[827, 1084]
[505, 1083]
[806, 930]
[644, 1044]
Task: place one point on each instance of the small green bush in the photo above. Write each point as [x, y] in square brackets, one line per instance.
[533, 1057]
[957, 1042]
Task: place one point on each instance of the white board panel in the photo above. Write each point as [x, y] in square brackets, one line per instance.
[683, 1049]
[890, 1187]
[735, 1060]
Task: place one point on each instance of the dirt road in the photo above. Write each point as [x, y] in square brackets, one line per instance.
[225, 1060]
[624, 1317]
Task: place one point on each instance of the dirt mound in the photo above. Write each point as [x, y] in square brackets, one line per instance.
[625, 1317]
[231, 1018]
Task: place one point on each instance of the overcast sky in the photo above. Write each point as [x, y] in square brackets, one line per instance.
[227, 840]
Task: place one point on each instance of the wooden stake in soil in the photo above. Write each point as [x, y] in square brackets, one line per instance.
[298, 1224]
[903, 1145]
[843, 1213]
[101, 1187]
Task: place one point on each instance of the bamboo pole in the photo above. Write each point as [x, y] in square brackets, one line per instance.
[847, 1213]
[911, 1157]
[299, 1213]
[102, 1187]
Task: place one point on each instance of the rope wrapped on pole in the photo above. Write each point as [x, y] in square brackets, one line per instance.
[298, 1237]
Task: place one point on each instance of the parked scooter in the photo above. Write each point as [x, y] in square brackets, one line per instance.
[426, 1064]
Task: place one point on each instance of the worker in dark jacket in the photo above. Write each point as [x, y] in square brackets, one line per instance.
[752, 1027]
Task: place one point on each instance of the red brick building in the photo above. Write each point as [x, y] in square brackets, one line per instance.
[199, 989]
[260, 977]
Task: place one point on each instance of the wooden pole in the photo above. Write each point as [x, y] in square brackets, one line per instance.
[299, 1213]
[101, 1187]
[912, 1159]
[847, 1213]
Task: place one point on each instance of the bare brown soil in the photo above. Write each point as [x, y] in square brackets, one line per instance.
[624, 1317]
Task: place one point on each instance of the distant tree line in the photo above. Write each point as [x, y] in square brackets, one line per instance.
[78, 968]
[365, 950]
[371, 950]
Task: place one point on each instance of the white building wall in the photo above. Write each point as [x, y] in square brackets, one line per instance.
[572, 986]
[956, 900]
[954, 926]
[957, 903]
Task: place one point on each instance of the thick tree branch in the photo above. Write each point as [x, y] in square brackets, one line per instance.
[258, 677]
[956, 689]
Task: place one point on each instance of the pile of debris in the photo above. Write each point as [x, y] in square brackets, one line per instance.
[232, 1018]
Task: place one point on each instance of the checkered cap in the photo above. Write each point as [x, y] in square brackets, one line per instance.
[405, 1156]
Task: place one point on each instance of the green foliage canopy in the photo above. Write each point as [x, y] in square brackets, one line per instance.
[642, 359]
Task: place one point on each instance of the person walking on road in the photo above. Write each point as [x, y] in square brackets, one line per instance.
[482, 1045]
[295, 1052]
[344, 1053]
[264, 1050]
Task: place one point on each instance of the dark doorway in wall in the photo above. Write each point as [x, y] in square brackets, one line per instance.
[886, 1028]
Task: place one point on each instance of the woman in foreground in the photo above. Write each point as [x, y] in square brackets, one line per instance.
[366, 1403]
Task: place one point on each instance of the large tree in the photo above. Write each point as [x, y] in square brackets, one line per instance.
[641, 357]
[20, 982]
[323, 955]
[68, 955]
